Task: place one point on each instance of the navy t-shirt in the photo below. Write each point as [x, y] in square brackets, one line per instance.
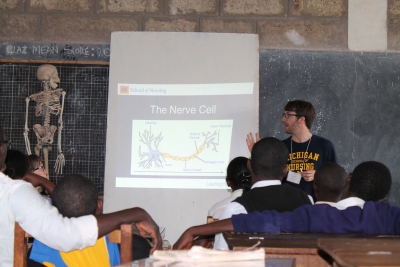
[320, 150]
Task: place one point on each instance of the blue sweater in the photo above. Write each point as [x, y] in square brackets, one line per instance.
[374, 218]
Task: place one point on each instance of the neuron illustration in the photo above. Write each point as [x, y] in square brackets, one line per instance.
[155, 158]
[154, 155]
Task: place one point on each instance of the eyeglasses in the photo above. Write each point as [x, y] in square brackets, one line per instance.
[39, 168]
[287, 115]
[5, 142]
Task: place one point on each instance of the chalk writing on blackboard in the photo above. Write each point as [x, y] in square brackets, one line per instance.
[40, 51]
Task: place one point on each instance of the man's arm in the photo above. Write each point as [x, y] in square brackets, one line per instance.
[319, 219]
[41, 220]
[144, 223]
[37, 180]
[330, 152]
[186, 239]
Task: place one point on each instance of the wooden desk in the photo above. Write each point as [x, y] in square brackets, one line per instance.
[302, 247]
[381, 251]
[270, 262]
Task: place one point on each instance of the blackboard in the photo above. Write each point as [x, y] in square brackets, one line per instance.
[356, 96]
[85, 115]
[54, 52]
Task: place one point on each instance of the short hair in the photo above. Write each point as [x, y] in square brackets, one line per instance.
[331, 178]
[16, 164]
[268, 157]
[238, 173]
[303, 108]
[34, 162]
[75, 196]
[370, 181]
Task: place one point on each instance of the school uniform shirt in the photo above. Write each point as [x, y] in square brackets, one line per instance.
[216, 210]
[374, 218]
[281, 197]
[102, 254]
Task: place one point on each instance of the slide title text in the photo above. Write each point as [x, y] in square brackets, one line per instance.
[203, 109]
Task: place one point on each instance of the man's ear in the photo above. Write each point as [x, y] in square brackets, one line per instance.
[99, 206]
[249, 164]
[284, 171]
[348, 178]
[301, 120]
[4, 168]
[315, 186]
[228, 182]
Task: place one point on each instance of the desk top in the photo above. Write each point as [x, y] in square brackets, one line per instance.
[363, 251]
[270, 262]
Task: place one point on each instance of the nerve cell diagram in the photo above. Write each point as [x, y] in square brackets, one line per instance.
[180, 147]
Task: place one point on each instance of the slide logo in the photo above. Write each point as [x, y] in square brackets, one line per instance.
[124, 89]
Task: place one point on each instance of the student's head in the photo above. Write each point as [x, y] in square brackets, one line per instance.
[238, 175]
[16, 164]
[303, 108]
[74, 196]
[370, 181]
[268, 159]
[36, 165]
[329, 182]
[3, 148]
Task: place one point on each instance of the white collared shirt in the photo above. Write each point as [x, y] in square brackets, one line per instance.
[349, 202]
[236, 208]
[216, 210]
[326, 202]
[20, 202]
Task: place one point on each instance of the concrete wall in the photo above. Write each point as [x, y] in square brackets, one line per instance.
[281, 24]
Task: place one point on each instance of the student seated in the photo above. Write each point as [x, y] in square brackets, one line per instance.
[371, 181]
[330, 181]
[76, 196]
[20, 202]
[36, 166]
[268, 167]
[238, 178]
[17, 168]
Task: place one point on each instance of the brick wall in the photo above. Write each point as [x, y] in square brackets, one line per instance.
[281, 24]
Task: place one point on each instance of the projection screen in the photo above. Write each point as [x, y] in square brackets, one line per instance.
[180, 106]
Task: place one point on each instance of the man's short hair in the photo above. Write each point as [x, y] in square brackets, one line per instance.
[302, 108]
[34, 162]
[370, 181]
[75, 196]
[269, 157]
[330, 178]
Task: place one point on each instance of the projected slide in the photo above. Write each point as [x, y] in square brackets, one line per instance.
[180, 147]
[181, 135]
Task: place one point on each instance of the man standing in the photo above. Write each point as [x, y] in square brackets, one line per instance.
[306, 151]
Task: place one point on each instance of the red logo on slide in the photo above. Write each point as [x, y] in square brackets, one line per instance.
[124, 89]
